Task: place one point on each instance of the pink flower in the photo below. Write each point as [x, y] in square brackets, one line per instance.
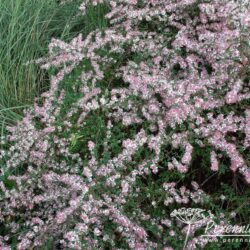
[125, 187]
[214, 161]
[91, 145]
[141, 233]
[61, 217]
[231, 97]
[247, 176]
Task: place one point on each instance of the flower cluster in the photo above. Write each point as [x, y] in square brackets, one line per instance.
[171, 74]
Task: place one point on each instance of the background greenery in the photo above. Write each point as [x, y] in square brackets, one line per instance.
[26, 29]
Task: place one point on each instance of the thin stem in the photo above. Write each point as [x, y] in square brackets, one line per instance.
[188, 232]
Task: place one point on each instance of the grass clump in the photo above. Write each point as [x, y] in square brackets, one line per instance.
[26, 29]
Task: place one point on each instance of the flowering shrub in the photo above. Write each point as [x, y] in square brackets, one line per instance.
[101, 159]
